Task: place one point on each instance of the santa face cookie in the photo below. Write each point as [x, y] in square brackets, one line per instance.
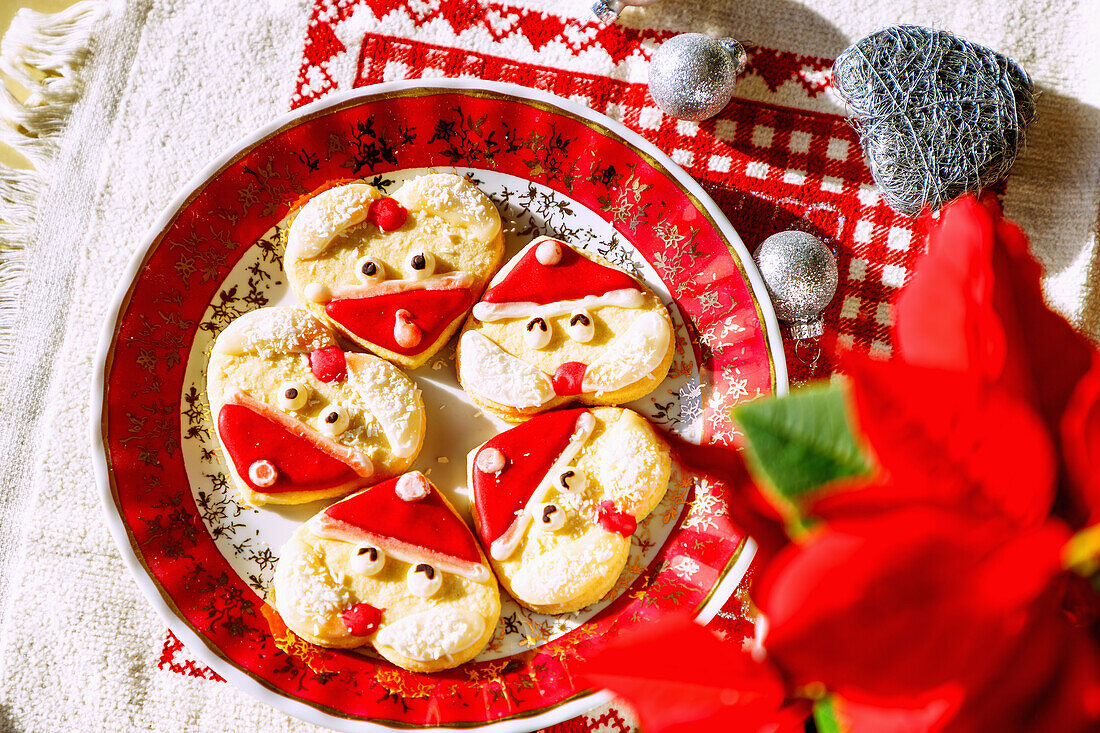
[558, 325]
[298, 419]
[392, 567]
[396, 275]
[557, 498]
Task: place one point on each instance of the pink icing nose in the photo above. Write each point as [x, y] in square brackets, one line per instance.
[569, 377]
[406, 333]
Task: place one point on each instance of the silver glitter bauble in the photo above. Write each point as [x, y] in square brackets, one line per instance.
[608, 10]
[691, 76]
[801, 276]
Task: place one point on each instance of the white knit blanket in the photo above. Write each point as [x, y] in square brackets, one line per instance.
[136, 97]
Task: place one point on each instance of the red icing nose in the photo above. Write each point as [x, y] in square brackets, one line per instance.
[613, 520]
[387, 214]
[329, 364]
[568, 377]
[361, 619]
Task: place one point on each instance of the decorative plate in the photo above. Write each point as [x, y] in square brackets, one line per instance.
[552, 167]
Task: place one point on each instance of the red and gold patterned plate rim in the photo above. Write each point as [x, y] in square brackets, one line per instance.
[134, 555]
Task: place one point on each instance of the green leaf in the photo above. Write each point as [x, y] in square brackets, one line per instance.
[825, 716]
[800, 442]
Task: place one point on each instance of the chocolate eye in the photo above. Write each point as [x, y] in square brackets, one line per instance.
[367, 560]
[334, 420]
[293, 395]
[420, 263]
[369, 270]
[580, 327]
[424, 580]
[570, 479]
[549, 517]
[537, 333]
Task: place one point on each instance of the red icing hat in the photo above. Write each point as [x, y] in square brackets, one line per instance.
[530, 450]
[415, 529]
[571, 277]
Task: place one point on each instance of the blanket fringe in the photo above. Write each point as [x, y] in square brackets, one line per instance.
[42, 54]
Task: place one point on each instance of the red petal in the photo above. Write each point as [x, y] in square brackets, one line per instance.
[946, 438]
[944, 316]
[1081, 445]
[677, 673]
[748, 509]
[975, 304]
[1051, 684]
[1046, 357]
[944, 594]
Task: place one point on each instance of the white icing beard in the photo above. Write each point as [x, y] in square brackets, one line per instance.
[280, 330]
[310, 592]
[631, 356]
[394, 403]
[555, 578]
[496, 375]
[455, 200]
[432, 635]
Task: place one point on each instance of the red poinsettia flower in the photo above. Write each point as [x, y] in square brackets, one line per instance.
[933, 595]
[994, 404]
